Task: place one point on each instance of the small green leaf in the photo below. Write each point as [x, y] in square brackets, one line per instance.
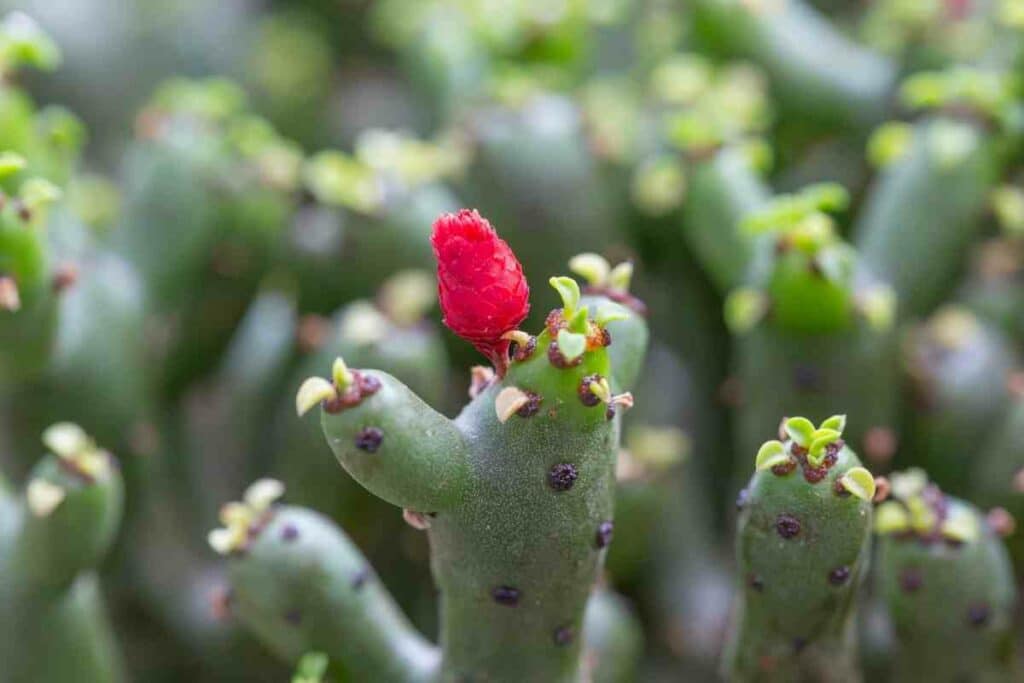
[569, 291]
[878, 306]
[621, 276]
[340, 373]
[39, 192]
[262, 493]
[891, 518]
[859, 482]
[593, 268]
[908, 483]
[889, 143]
[571, 345]
[770, 454]
[312, 668]
[922, 517]
[11, 163]
[607, 314]
[836, 422]
[961, 525]
[312, 392]
[800, 430]
[744, 308]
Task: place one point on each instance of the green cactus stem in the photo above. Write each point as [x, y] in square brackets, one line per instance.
[534, 171]
[723, 190]
[373, 214]
[818, 73]
[515, 496]
[948, 585]
[209, 191]
[812, 335]
[390, 334]
[28, 302]
[937, 182]
[998, 477]
[52, 537]
[613, 638]
[960, 373]
[802, 548]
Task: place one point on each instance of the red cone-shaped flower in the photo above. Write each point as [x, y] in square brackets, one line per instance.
[480, 283]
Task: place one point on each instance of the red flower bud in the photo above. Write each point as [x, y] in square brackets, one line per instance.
[480, 283]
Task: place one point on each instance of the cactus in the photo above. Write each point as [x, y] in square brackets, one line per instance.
[997, 480]
[28, 302]
[802, 549]
[209, 191]
[819, 74]
[814, 335]
[948, 585]
[371, 217]
[937, 183]
[515, 494]
[52, 621]
[961, 375]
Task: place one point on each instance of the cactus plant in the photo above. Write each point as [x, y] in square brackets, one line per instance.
[210, 190]
[53, 626]
[814, 335]
[515, 494]
[802, 550]
[948, 585]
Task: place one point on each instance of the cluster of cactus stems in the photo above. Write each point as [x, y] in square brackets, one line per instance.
[515, 494]
[240, 309]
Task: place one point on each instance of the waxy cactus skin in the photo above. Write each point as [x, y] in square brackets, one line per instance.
[53, 625]
[948, 585]
[515, 494]
[802, 549]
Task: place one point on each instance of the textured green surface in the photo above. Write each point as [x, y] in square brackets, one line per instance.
[959, 366]
[52, 621]
[302, 585]
[816, 71]
[951, 603]
[926, 204]
[26, 335]
[723, 190]
[515, 548]
[792, 621]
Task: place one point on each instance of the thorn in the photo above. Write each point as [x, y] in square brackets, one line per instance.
[10, 299]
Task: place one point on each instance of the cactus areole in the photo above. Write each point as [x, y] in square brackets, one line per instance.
[515, 493]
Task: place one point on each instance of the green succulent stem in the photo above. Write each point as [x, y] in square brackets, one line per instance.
[515, 494]
[802, 549]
